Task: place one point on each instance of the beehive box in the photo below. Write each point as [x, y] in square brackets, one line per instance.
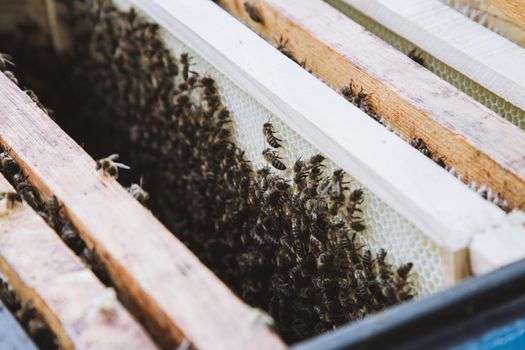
[191, 104]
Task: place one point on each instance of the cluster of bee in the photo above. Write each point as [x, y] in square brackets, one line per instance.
[359, 99]
[32, 322]
[288, 247]
[421, 146]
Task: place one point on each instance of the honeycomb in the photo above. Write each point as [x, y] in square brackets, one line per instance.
[505, 109]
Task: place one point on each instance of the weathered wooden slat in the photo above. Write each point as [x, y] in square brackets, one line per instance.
[12, 335]
[499, 247]
[43, 271]
[485, 13]
[514, 9]
[480, 54]
[158, 277]
[478, 143]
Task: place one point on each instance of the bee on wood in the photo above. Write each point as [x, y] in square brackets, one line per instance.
[68, 233]
[416, 57]
[282, 47]
[349, 92]
[272, 158]
[253, 12]
[13, 199]
[5, 61]
[8, 166]
[11, 76]
[109, 166]
[441, 161]
[269, 133]
[421, 146]
[52, 207]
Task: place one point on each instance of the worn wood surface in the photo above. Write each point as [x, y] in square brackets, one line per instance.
[485, 13]
[503, 245]
[12, 335]
[43, 271]
[478, 143]
[160, 279]
[482, 55]
[514, 9]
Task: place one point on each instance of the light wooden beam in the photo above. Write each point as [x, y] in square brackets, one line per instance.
[480, 54]
[161, 281]
[478, 143]
[514, 9]
[44, 272]
[488, 15]
[436, 202]
[503, 245]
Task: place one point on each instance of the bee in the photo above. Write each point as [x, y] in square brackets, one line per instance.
[441, 161]
[357, 225]
[8, 166]
[138, 192]
[348, 92]
[269, 133]
[285, 51]
[299, 173]
[52, 207]
[185, 62]
[404, 270]
[253, 12]
[68, 233]
[11, 76]
[13, 199]
[32, 95]
[416, 57]
[5, 61]
[109, 166]
[421, 146]
[357, 196]
[272, 158]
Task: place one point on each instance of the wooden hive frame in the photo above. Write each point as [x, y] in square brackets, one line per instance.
[79, 309]
[514, 9]
[485, 13]
[157, 277]
[480, 54]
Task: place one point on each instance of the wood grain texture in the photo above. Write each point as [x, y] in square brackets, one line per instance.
[502, 246]
[477, 142]
[480, 54]
[488, 15]
[154, 273]
[514, 9]
[430, 198]
[12, 335]
[43, 271]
